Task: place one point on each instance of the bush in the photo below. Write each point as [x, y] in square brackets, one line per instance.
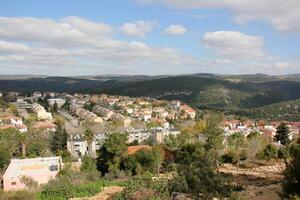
[283, 153]
[17, 195]
[291, 186]
[62, 189]
[142, 188]
[270, 152]
[228, 157]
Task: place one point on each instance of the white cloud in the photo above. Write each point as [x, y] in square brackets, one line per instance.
[137, 28]
[242, 53]
[235, 45]
[175, 30]
[33, 45]
[8, 47]
[284, 16]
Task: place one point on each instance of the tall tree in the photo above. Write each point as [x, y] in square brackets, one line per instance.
[291, 182]
[59, 139]
[89, 136]
[214, 136]
[282, 134]
[255, 143]
[236, 143]
[23, 138]
[112, 153]
[55, 107]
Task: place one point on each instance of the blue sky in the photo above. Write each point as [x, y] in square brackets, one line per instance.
[59, 37]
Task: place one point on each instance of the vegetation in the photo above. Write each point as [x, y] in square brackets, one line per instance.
[291, 182]
[282, 134]
[256, 96]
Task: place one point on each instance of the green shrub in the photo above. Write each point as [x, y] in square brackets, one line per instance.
[63, 189]
[270, 152]
[17, 195]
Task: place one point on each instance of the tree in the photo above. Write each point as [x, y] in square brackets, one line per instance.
[4, 157]
[55, 107]
[291, 186]
[150, 159]
[236, 143]
[23, 138]
[88, 164]
[255, 142]
[89, 136]
[214, 136]
[38, 145]
[59, 139]
[196, 173]
[282, 134]
[112, 153]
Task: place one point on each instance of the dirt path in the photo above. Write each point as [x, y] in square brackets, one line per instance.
[104, 195]
[263, 182]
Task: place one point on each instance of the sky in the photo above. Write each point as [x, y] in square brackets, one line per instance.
[151, 37]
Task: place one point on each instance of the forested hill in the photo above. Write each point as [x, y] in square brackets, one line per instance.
[200, 90]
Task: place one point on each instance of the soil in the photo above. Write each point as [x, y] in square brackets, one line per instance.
[263, 182]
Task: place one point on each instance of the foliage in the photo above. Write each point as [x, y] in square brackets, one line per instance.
[88, 164]
[112, 153]
[150, 160]
[38, 145]
[55, 107]
[89, 136]
[214, 137]
[236, 144]
[255, 143]
[291, 186]
[17, 195]
[144, 188]
[4, 157]
[282, 134]
[59, 139]
[270, 152]
[61, 189]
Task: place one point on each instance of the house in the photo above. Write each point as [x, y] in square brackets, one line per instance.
[37, 94]
[41, 170]
[188, 110]
[103, 112]
[42, 114]
[85, 114]
[160, 134]
[48, 126]
[12, 120]
[21, 128]
[78, 146]
[138, 135]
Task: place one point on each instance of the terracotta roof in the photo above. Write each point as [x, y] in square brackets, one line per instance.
[134, 149]
[44, 125]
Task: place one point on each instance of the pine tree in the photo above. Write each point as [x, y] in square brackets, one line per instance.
[282, 134]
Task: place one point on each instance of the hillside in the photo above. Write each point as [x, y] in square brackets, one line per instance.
[243, 94]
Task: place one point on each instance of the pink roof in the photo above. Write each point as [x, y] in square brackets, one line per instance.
[45, 125]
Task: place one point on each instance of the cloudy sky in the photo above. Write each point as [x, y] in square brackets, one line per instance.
[93, 37]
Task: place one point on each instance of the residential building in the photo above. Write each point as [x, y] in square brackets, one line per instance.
[42, 114]
[41, 170]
